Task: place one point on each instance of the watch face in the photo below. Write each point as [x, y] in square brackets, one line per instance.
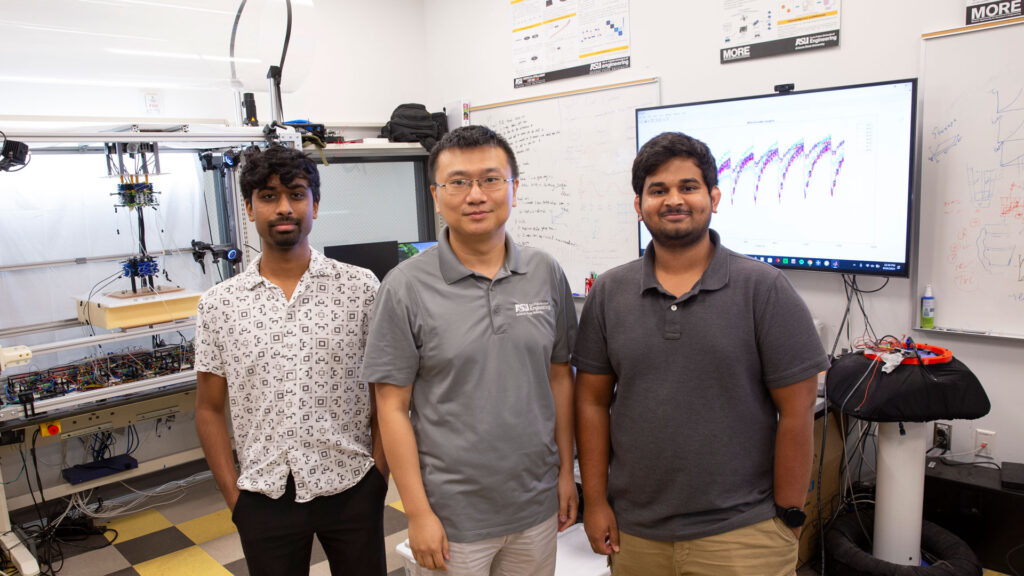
[794, 517]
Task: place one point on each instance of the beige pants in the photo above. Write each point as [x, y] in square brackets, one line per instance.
[767, 548]
[527, 553]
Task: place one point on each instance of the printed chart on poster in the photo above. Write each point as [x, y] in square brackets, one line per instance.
[972, 181]
[762, 28]
[557, 39]
[575, 153]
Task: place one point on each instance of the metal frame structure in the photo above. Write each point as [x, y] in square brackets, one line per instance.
[122, 405]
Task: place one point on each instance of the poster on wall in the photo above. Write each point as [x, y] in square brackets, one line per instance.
[556, 39]
[979, 11]
[761, 28]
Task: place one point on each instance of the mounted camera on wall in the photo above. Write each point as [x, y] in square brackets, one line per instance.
[13, 154]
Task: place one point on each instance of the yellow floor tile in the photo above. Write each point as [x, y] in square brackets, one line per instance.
[397, 505]
[206, 528]
[192, 561]
[136, 525]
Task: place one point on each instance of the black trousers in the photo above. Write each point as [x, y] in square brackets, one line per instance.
[277, 535]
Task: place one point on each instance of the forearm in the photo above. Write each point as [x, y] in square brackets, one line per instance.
[794, 453]
[379, 457]
[592, 445]
[562, 391]
[399, 443]
[212, 430]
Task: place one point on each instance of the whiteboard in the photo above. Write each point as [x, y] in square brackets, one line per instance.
[575, 154]
[971, 246]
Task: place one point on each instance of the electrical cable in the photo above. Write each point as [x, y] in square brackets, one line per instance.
[20, 472]
[35, 465]
[28, 481]
[879, 289]
[287, 35]
[821, 470]
[231, 45]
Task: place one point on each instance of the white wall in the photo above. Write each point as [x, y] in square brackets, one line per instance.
[370, 57]
[678, 42]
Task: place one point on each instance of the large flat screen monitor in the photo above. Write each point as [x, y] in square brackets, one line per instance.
[378, 257]
[812, 180]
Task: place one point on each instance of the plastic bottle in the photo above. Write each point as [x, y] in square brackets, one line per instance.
[928, 309]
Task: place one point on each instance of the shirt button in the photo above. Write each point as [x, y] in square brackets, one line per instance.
[674, 307]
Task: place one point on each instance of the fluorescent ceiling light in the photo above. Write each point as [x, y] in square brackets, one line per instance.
[152, 4]
[182, 55]
[208, 84]
[65, 30]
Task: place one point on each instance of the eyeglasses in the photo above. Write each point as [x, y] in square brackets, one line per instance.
[460, 186]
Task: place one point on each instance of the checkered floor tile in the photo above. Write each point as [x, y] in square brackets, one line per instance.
[195, 536]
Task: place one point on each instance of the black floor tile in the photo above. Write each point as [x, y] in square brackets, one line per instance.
[70, 546]
[238, 567]
[143, 548]
[394, 521]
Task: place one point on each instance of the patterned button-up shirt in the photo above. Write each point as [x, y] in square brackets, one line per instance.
[292, 368]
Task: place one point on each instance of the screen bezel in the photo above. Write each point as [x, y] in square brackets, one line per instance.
[858, 267]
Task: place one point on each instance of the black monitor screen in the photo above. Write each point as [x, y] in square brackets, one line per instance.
[378, 257]
[815, 180]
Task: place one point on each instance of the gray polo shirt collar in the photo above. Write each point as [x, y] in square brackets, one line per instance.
[716, 276]
[453, 270]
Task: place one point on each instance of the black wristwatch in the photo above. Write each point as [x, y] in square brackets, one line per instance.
[793, 517]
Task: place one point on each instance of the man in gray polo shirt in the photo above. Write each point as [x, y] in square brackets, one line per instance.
[711, 358]
[473, 336]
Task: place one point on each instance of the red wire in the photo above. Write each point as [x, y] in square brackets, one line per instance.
[868, 387]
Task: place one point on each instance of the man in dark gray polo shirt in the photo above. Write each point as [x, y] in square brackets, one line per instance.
[473, 336]
[713, 358]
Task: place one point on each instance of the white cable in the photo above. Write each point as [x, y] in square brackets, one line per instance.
[969, 453]
[114, 508]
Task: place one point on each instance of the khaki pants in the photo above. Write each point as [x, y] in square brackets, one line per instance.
[767, 548]
[527, 553]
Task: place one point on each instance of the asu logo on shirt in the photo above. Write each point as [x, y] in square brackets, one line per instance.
[534, 308]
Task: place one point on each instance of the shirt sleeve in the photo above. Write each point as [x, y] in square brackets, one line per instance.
[371, 287]
[590, 353]
[788, 342]
[392, 356]
[566, 322]
[209, 350]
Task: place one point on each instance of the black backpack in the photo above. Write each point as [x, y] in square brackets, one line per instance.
[412, 123]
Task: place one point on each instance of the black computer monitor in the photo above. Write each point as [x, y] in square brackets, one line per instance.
[378, 257]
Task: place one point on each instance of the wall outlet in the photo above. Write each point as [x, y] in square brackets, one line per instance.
[985, 442]
[942, 436]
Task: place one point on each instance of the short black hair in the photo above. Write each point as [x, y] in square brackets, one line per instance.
[471, 137]
[287, 163]
[666, 146]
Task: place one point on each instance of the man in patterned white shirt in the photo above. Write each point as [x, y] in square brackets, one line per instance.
[283, 343]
